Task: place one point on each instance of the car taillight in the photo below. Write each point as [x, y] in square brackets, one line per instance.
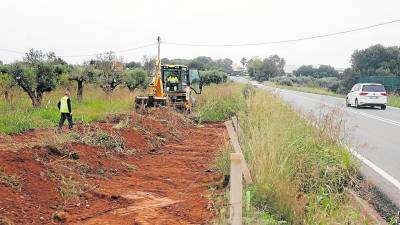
[384, 94]
[363, 93]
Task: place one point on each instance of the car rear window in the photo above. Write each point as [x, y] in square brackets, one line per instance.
[374, 88]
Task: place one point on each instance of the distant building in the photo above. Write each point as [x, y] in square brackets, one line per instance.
[340, 70]
[289, 69]
[238, 69]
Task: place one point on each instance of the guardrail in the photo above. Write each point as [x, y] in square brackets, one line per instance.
[239, 168]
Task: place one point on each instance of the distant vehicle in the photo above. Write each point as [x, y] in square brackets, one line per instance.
[367, 94]
[255, 84]
[237, 75]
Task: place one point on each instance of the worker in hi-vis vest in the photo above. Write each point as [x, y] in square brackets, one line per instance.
[172, 82]
[64, 105]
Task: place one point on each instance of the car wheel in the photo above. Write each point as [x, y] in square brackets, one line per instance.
[383, 107]
[356, 104]
[347, 102]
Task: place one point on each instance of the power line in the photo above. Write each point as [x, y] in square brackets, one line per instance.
[120, 51]
[285, 41]
[12, 51]
[85, 55]
[228, 45]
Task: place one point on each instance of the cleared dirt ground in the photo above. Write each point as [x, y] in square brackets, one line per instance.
[161, 173]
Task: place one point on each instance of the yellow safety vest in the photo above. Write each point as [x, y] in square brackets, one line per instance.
[64, 105]
[173, 80]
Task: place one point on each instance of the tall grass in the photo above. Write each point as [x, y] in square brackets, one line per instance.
[20, 116]
[394, 100]
[300, 172]
[216, 104]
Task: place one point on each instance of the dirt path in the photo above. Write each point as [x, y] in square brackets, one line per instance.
[167, 181]
[168, 187]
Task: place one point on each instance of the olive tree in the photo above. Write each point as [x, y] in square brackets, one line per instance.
[7, 83]
[110, 71]
[82, 74]
[136, 78]
[37, 73]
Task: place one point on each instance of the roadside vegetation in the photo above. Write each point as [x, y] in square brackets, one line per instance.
[393, 98]
[301, 173]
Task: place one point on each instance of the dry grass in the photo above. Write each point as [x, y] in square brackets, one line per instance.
[11, 180]
[71, 188]
[300, 172]
[128, 167]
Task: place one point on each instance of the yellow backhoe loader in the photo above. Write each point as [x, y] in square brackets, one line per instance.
[172, 85]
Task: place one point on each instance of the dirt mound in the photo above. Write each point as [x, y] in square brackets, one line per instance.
[136, 169]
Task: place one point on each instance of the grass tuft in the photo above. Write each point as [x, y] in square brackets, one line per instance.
[70, 188]
[128, 167]
[13, 180]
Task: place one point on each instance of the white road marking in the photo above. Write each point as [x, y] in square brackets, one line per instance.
[374, 167]
[389, 121]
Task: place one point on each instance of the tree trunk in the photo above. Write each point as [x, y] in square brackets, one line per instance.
[79, 93]
[6, 96]
[37, 99]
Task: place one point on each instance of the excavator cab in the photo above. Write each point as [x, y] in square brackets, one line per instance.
[178, 78]
[179, 84]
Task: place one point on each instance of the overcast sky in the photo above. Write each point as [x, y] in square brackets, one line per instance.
[74, 27]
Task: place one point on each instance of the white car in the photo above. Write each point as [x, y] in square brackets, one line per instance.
[255, 84]
[367, 94]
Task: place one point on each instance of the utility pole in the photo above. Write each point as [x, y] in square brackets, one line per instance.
[159, 43]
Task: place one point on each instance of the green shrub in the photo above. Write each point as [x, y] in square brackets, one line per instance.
[213, 77]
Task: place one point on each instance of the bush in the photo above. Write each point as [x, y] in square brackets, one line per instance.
[213, 76]
[283, 80]
[330, 83]
[326, 82]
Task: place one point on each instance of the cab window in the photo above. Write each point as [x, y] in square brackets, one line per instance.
[194, 79]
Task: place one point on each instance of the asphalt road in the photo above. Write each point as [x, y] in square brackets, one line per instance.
[373, 134]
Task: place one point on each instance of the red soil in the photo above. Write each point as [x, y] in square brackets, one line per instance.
[167, 185]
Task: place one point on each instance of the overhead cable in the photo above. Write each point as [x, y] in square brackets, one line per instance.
[284, 41]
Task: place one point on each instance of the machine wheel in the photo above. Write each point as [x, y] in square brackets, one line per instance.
[383, 107]
[356, 104]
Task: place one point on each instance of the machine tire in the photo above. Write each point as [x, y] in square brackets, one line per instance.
[383, 107]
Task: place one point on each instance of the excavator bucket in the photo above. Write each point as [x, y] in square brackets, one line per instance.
[143, 102]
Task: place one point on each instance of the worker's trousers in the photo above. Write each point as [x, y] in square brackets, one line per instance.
[64, 116]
